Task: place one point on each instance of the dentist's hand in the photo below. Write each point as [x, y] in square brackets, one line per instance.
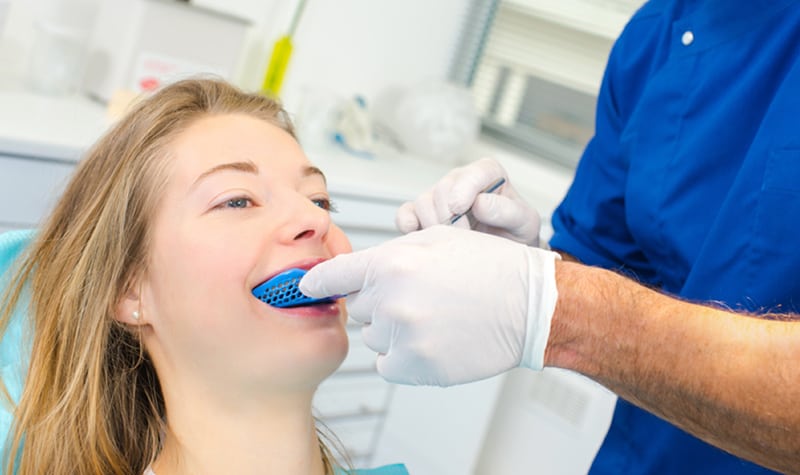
[503, 213]
[444, 305]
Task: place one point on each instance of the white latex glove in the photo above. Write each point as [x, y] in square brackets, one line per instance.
[503, 213]
[445, 305]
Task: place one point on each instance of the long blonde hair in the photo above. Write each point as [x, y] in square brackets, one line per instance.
[92, 402]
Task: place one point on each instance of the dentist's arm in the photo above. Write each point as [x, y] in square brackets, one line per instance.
[730, 379]
[447, 306]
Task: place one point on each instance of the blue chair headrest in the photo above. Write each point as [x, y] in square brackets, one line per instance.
[14, 351]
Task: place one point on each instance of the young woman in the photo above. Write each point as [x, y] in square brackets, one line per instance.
[149, 353]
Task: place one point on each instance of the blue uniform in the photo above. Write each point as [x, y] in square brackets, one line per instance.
[692, 184]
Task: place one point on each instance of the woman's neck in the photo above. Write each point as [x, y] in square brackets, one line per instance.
[275, 435]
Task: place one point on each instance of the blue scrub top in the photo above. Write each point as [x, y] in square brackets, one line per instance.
[692, 184]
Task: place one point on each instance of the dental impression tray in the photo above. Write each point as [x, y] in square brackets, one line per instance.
[282, 291]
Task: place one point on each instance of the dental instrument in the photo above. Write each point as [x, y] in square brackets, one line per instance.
[489, 189]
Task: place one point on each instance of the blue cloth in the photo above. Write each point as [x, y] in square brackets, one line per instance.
[395, 469]
[13, 352]
[692, 184]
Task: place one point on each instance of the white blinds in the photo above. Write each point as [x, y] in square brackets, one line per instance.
[552, 48]
[600, 17]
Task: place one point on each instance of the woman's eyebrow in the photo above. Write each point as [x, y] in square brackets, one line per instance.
[246, 167]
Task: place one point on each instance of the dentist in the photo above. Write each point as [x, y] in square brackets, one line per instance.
[447, 305]
[691, 186]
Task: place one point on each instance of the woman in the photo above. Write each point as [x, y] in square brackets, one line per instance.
[149, 353]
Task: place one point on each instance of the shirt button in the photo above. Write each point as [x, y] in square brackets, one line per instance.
[687, 38]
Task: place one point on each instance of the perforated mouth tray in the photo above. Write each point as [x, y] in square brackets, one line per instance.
[282, 291]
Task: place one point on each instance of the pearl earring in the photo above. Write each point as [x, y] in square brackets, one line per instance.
[135, 315]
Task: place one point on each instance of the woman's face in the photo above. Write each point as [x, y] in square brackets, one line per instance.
[242, 203]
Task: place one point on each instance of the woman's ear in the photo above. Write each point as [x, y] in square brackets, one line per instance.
[128, 309]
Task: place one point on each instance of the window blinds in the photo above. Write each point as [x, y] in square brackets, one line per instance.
[539, 67]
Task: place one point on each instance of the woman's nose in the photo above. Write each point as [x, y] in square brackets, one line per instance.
[306, 221]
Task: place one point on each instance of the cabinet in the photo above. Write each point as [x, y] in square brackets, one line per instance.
[353, 403]
[29, 188]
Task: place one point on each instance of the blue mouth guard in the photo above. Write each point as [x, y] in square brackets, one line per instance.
[282, 291]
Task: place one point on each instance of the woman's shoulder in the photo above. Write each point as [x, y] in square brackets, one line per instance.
[394, 469]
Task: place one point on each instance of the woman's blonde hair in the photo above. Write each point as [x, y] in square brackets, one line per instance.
[92, 402]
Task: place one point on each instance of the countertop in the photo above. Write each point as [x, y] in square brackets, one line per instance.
[63, 127]
[55, 127]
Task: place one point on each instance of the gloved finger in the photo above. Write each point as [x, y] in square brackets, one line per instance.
[389, 375]
[361, 306]
[342, 275]
[508, 217]
[401, 370]
[441, 197]
[473, 179]
[378, 335]
[406, 218]
[425, 210]
[392, 372]
[499, 211]
[432, 206]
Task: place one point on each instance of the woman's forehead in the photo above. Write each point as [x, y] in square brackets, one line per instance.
[236, 141]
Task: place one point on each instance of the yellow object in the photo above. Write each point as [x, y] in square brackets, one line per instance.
[281, 52]
[278, 63]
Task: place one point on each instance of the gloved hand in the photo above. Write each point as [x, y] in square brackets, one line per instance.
[503, 213]
[445, 305]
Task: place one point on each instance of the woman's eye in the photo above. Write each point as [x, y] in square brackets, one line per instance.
[325, 204]
[238, 203]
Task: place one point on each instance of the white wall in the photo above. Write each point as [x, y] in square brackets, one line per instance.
[549, 422]
[362, 46]
[439, 430]
[348, 47]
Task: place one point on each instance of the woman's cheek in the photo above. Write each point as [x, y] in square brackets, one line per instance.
[338, 243]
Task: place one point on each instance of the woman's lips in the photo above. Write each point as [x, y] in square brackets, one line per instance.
[319, 310]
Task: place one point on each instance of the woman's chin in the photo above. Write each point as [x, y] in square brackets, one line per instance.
[310, 368]
[329, 362]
